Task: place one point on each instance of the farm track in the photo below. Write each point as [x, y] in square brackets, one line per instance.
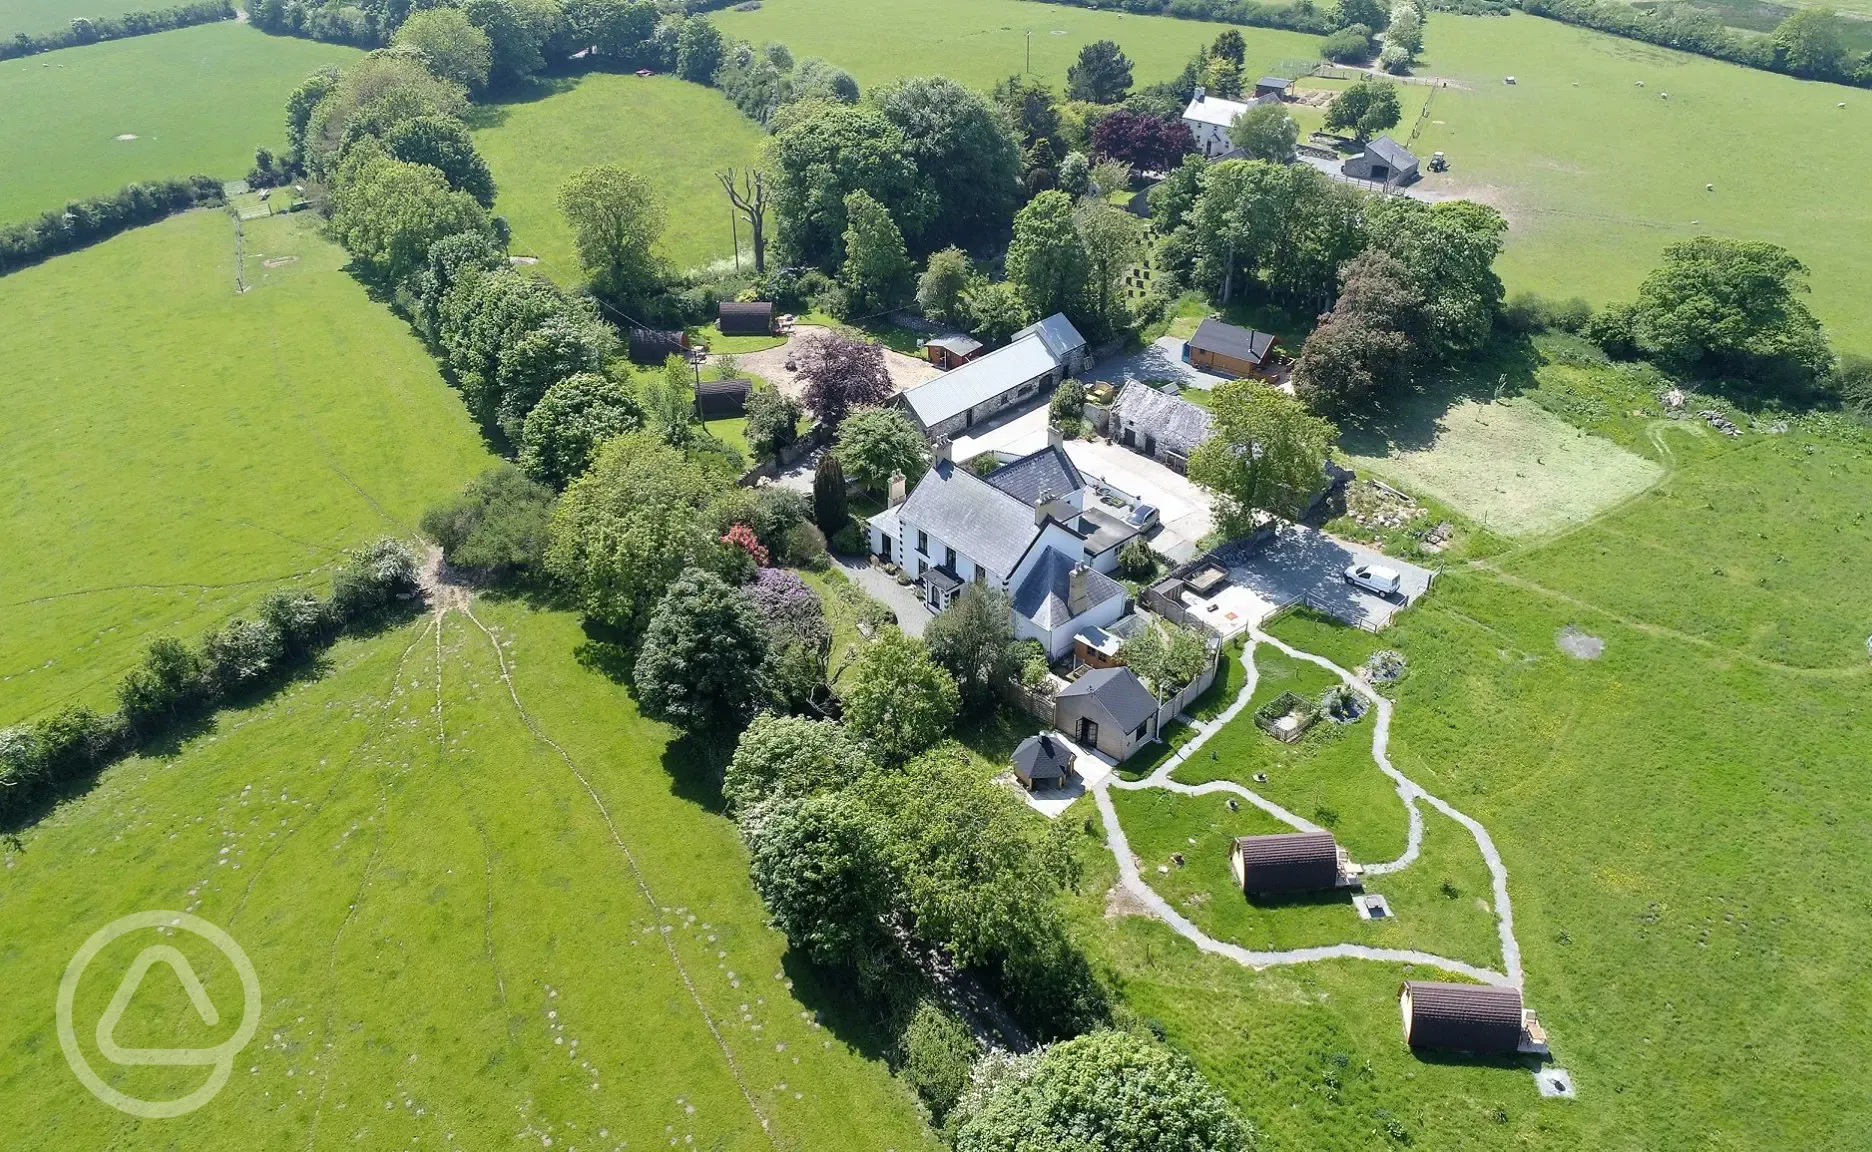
[1409, 792]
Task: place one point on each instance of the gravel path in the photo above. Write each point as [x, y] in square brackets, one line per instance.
[1409, 792]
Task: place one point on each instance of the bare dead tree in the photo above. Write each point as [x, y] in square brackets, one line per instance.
[749, 199]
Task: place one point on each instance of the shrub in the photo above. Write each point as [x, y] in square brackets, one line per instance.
[1348, 45]
[849, 540]
[1068, 401]
[84, 222]
[372, 579]
[804, 546]
[167, 685]
[938, 1054]
[790, 756]
[1136, 561]
[699, 667]
[819, 867]
[300, 619]
[1531, 312]
[498, 522]
[240, 654]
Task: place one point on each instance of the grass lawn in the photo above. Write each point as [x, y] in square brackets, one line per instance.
[179, 450]
[981, 41]
[197, 100]
[1679, 819]
[459, 941]
[675, 134]
[1597, 174]
[39, 17]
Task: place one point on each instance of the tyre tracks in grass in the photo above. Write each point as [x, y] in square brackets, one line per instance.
[539, 733]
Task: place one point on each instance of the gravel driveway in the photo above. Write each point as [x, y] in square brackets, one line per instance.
[906, 372]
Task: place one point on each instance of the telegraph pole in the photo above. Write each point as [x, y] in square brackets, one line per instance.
[1030, 51]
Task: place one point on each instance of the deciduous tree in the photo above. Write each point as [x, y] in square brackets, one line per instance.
[616, 219]
[939, 290]
[452, 46]
[1719, 307]
[820, 869]
[445, 145]
[701, 660]
[897, 700]
[955, 138]
[877, 269]
[841, 374]
[1047, 259]
[823, 151]
[1266, 132]
[974, 639]
[1267, 453]
[1102, 74]
[387, 213]
[874, 443]
[565, 429]
[1368, 107]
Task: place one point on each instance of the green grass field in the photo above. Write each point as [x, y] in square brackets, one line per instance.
[179, 450]
[1597, 175]
[981, 41]
[479, 919]
[38, 17]
[1677, 816]
[197, 100]
[676, 135]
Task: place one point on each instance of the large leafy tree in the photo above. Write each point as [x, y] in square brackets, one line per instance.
[1719, 307]
[799, 640]
[939, 289]
[1370, 13]
[699, 50]
[1285, 227]
[956, 139]
[1148, 143]
[575, 416]
[628, 527]
[1168, 657]
[994, 309]
[1374, 339]
[571, 342]
[791, 756]
[1368, 107]
[513, 42]
[897, 699]
[873, 443]
[819, 866]
[1266, 454]
[371, 97]
[841, 374]
[1047, 259]
[877, 269]
[974, 639]
[821, 153]
[1811, 42]
[387, 213]
[444, 144]
[299, 106]
[1113, 239]
[1105, 1091]
[1102, 74]
[616, 219]
[453, 47]
[701, 660]
[1029, 106]
[1449, 249]
[1266, 132]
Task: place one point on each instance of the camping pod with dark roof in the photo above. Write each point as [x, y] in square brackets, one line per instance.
[722, 397]
[1483, 1019]
[752, 318]
[1289, 862]
[1228, 349]
[654, 346]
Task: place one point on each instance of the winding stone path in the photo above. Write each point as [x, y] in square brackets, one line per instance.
[1409, 792]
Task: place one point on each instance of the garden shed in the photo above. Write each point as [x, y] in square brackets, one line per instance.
[1228, 349]
[1042, 762]
[752, 318]
[1289, 862]
[1483, 1019]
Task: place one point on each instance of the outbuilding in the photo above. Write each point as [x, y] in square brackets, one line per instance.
[1156, 424]
[1289, 862]
[654, 346]
[1384, 161]
[1228, 349]
[1042, 762]
[1275, 86]
[722, 397]
[1483, 1019]
[751, 318]
[1108, 709]
[948, 352]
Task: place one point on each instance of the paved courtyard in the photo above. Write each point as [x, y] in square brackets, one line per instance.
[1162, 360]
[1302, 563]
[906, 601]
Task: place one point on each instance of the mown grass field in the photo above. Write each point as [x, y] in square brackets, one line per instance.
[197, 100]
[982, 41]
[37, 17]
[178, 450]
[1681, 819]
[1597, 175]
[674, 134]
[463, 937]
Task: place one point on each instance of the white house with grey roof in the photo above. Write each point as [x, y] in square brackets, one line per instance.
[1035, 360]
[1026, 529]
[1156, 424]
[1210, 117]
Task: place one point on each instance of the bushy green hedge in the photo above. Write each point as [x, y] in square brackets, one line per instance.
[82, 223]
[1688, 29]
[86, 31]
[1316, 19]
[175, 684]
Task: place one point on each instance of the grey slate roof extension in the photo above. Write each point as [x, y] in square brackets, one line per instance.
[1232, 340]
[1057, 333]
[971, 515]
[1045, 596]
[1049, 470]
[980, 380]
[1177, 424]
[959, 345]
[1119, 692]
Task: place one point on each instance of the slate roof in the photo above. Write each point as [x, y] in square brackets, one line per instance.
[970, 515]
[1061, 338]
[1048, 470]
[1119, 691]
[1391, 152]
[958, 345]
[1177, 424]
[1045, 596]
[1280, 82]
[1043, 758]
[980, 380]
[1232, 340]
[1289, 862]
[1215, 110]
[1479, 1018]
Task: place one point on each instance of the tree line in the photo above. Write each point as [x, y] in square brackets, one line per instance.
[91, 30]
[176, 685]
[82, 223]
[1809, 43]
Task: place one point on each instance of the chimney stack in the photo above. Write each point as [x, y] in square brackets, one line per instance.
[1199, 93]
[898, 488]
[941, 451]
[1078, 599]
[1055, 437]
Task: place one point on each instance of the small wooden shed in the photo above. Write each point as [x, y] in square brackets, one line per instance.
[1228, 349]
[948, 352]
[1276, 86]
[753, 318]
[1287, 862]
[655, 345]
[1480, 1018]
[722, 397]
